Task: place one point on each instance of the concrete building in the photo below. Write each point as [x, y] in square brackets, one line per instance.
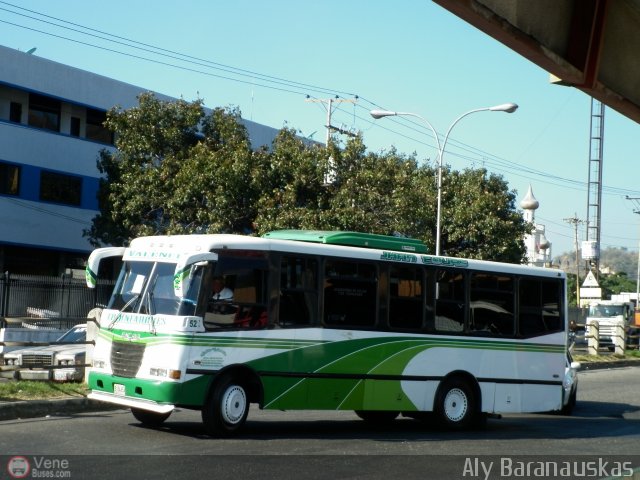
[50, 134]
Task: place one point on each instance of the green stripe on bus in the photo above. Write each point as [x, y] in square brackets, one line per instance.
[150, 339]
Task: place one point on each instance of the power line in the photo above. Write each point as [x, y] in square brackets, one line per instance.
[145, 47]
[461, 150]
[224, 67]
[290, 86]
[48, 212]
[159, 62]
[329, 109]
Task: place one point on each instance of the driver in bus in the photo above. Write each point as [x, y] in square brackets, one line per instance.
[221, 298]
[220, 292]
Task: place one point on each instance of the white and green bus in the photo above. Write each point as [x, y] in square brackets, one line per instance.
[325, 321]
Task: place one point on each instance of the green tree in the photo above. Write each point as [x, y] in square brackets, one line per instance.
[152, 140]
[174, 170]
[217, 186]
[616, 283]
[373, 193]
[479, 217]
[291, 182]
[378, 193]
[572, 294]
[179, 170]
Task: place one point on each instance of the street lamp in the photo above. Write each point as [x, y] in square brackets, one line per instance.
[377, 114]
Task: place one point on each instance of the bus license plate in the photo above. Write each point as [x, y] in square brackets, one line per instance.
[118, 389]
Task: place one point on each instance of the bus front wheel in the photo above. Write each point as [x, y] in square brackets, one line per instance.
[226, 409]
[456, 404]
[149, 419]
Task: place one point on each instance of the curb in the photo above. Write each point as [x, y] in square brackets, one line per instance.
[605, 365]
[43, 408]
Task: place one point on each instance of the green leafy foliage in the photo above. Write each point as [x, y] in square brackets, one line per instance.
[479, 217]
[177, 169]
[152, 141]
[616, 283]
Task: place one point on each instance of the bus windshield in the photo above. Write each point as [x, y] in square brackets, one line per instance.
[147, 287]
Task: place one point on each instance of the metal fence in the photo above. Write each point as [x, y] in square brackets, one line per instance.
[50, 297]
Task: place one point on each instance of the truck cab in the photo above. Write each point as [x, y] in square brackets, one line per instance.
[609, 314]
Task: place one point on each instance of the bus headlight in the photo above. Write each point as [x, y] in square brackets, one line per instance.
[165, 372]
[101, 364]
[158, 372]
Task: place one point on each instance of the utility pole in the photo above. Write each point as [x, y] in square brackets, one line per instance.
[636, 202]
[575, 221]
[330, 174]
[329, 102]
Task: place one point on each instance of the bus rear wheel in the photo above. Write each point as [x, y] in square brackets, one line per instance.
[456, 404]
[149, 419]
[226, 409]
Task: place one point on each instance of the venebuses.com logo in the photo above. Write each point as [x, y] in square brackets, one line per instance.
[18, 467]
[38, 467]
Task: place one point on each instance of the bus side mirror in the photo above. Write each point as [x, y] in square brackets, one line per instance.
[180, 286]
[91, 270]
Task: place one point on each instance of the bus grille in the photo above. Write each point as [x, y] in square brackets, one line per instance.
[35, 360]
[126, 358]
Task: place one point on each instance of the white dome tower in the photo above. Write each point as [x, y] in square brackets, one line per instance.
[536, 243]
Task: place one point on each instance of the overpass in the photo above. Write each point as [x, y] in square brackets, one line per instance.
[591, 45]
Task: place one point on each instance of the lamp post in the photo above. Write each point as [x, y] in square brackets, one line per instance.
[377, 114]
[636, 200]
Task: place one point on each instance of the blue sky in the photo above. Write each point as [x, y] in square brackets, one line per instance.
[406, 55]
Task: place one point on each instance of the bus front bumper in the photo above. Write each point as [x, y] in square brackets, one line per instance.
[131, 402]
[152, 395]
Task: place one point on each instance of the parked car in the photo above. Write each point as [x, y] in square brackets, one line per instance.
[569, 385]
[33, 361]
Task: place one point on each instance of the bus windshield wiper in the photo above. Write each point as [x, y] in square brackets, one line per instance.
[121, 311]
[151, 310]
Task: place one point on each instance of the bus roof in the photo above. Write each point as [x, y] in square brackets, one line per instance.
[351, 239]
[171, 248]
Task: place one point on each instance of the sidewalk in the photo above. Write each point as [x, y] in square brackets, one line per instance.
[73, 405]
[12, 410]
[44, 408]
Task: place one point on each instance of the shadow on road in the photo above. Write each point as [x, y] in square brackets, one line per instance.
[589, 420]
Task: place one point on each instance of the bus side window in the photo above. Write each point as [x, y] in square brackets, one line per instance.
[248, 296]
[491, 304]
[244, 304]
[450, 301]
[540, 307]
[551, 306]
[251, 317]
[350, 294]
[405, 298]
[298, 291]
